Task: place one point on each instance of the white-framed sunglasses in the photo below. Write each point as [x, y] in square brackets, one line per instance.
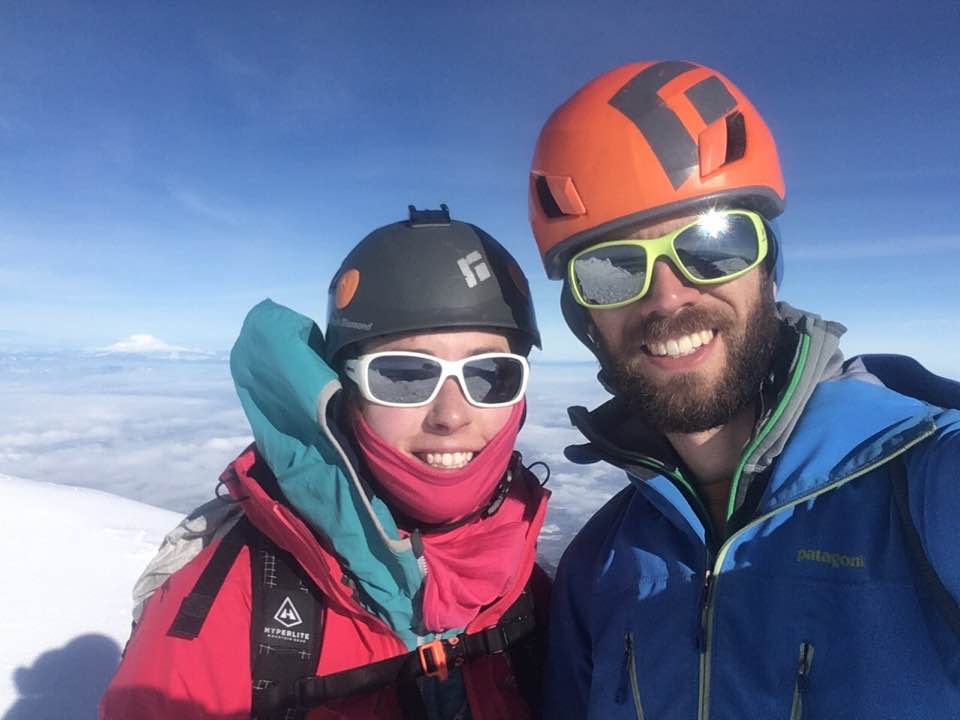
[399, 378]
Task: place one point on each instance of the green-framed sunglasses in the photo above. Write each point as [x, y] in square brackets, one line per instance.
[719, 246]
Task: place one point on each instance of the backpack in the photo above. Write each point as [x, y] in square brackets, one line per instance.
[908, 377]
[287, 625]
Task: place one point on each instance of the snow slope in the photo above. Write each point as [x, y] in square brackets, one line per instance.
[68, 558]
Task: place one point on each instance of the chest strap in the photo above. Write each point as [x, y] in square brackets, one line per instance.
[434, 659]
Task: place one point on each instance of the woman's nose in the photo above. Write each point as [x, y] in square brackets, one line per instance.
[450, 410]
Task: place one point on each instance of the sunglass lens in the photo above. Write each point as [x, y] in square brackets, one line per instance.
[612, 274]
[494, 380]
[402, 379]
[718, 247]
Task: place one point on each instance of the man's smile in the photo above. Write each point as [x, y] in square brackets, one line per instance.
[681, 345]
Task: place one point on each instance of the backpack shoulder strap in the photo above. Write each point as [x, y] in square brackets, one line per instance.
[285, 623]
[196, 606]
[286, 630]
[528, 656]
[929, 585]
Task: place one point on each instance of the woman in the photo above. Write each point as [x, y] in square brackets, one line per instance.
[383, 562]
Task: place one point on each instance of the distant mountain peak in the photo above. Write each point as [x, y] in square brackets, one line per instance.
[144, 344]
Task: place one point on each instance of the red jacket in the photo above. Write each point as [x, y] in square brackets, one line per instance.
[210, 677]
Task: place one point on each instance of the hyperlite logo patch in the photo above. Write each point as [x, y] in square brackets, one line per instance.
[291, 622]
[287, 615]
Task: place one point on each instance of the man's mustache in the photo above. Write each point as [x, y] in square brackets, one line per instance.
[660, 328]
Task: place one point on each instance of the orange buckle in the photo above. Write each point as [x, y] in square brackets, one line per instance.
[433, 659]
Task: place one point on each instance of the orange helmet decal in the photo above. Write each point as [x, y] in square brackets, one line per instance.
[347, 285]
[643, 142]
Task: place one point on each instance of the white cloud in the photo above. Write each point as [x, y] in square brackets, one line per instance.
[134, 424]
[161, 432]
[207, 208]
[232, 444]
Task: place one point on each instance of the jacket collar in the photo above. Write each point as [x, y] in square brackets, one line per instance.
[253, 484]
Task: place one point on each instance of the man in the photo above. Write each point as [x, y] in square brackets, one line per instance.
[786, 545]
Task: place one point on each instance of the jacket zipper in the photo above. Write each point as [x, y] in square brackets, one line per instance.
[628, 672]
[707, 607]
[704, 635]
[705, 601]
[704, 638]
[802, 681]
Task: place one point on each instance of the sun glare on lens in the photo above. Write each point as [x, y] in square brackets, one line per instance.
[713, 222]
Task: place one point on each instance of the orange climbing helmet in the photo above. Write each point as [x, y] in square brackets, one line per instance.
[645, 142]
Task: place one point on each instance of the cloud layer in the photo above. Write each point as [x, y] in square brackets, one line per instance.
[160, 431]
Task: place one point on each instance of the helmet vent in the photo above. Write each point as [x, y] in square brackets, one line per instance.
[558, 195]
[736, 137]
[545, 197]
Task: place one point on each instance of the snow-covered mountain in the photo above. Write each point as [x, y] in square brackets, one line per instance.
[69, 560]
[142, 344]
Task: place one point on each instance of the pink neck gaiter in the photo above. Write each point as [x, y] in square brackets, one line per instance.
[429, 494]
[470, 566]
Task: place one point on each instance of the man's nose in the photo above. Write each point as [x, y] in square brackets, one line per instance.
[450, 410]
[669, 291]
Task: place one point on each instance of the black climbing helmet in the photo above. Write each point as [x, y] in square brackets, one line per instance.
[424, 273]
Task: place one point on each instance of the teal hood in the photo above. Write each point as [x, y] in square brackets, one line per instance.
[285, 389]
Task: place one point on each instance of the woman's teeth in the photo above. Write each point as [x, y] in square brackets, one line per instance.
[678, 347]
[448, 460]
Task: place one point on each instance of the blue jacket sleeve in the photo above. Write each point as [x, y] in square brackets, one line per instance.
[569, 654]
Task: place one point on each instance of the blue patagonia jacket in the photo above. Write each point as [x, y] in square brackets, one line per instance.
[805, 605]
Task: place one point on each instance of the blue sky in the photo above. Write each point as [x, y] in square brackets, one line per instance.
[164, 166]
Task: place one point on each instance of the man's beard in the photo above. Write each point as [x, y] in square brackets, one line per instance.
[687, 403]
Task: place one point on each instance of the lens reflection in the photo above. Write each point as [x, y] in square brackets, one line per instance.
[709, 254]
[402, 379]
[610, 274]
[493, 380]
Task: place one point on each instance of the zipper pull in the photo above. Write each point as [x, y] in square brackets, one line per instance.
[803, 666]
[704, 609]
[621, 697]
